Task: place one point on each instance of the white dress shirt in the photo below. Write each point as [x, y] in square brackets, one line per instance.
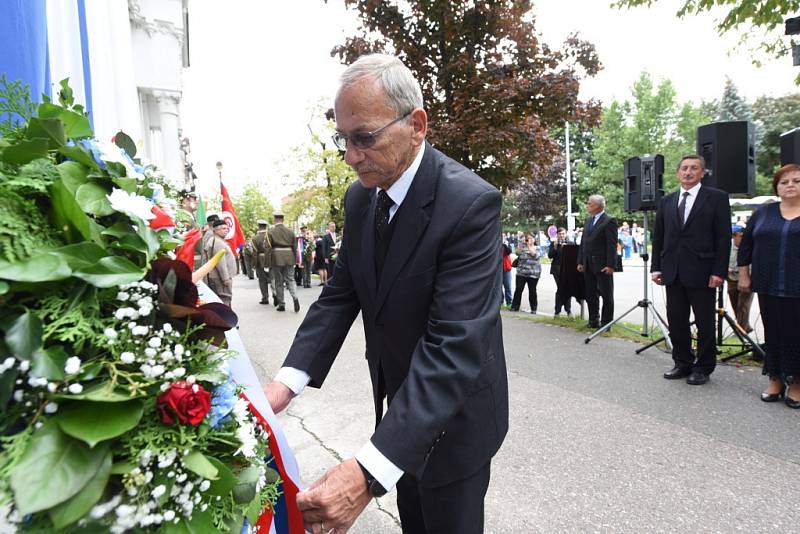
[370, 457]
[689, 199]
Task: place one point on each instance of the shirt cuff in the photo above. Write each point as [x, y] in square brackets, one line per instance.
[654, 273]
[292, 378]
[379, 466]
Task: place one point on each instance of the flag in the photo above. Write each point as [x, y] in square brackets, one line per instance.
[162, 220]
[235, 236]
[200, 214]
[185, 252]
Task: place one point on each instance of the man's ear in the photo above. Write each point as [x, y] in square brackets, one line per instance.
[419, 121]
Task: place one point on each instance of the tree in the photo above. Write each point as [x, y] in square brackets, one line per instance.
[733, 106]
[492, 90]
[252, 205]
[773, 116]
[540, 198]
[653, 122]
[742, 17]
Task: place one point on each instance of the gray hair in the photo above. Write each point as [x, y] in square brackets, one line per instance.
[598, 199]
[402, 89]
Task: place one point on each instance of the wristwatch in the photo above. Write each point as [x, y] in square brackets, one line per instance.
[373, 486]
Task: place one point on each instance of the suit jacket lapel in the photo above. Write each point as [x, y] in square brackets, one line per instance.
[368, 242]
[412, 218]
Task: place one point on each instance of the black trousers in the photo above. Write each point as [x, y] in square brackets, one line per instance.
[599, 285]
[781, 316]
[456, 508]
[560, 300]
[701, 301]
[533, 298]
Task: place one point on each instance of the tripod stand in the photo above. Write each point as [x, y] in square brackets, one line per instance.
[745, 341]
[646, 304]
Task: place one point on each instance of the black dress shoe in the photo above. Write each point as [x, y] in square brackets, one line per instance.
[791, 403]
[281, 308]
[296, 305]
[773, 397]
[262, 301]
[677, 372]
[591, 324]
[697, 378]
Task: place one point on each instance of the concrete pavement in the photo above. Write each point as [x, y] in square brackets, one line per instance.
[598, 441]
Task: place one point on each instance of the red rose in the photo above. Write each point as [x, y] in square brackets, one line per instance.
[185, 402]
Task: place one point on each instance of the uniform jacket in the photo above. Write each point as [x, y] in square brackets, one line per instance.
[284, 245]
[699, 249]
[263, 246]
[432, 322]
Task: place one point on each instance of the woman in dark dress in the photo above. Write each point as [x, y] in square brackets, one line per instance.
[319, 260]
[769, 264]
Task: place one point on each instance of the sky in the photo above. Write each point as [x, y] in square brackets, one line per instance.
[259, 69]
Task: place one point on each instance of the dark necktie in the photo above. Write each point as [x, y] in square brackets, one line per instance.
[682, 208]
[382, 214]
[591, 224]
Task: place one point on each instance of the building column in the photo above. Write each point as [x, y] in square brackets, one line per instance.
[169, 117]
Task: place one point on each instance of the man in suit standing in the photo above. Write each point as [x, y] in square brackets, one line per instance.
[555, 253]
[419, 260]
[691, 244]
[329, 242]
[597, 259]
[284, 250]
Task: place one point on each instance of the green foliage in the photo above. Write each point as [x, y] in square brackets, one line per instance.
[16, 107]
[653, 122]
[773, 116]
[732, 106]
[252, 205]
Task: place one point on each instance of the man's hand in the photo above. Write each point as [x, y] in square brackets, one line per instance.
[278, 395]
[580, 268]
[335, 500]
[715, 281]
[657, 278]
[607, 270]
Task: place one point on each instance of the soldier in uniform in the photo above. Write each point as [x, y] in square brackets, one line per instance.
[220, 279]
[284, 251]
[263, 252]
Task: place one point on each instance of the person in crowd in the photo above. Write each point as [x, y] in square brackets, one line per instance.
[419, 261]
[555, 253]
[528, 272]
[740, 300]
[627, 242]
[248, 258]
[263, 252]
[320, 265]
[305, 251]
[284, 252]
[691, 247]
[597, 260]
[506, 266]
[331, 243]
[220, 279]
[769, 264]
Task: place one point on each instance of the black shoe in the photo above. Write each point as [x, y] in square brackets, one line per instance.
[773, 397]
[533, 312]
[513, 309]
[296, 305]
[697, 378]
[281, 308]
[791, 403]
[592, 324]
[263, 301]
[677, 372]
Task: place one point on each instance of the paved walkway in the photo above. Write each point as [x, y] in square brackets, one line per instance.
[599, 442]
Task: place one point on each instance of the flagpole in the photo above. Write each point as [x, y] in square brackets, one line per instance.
[219, 171]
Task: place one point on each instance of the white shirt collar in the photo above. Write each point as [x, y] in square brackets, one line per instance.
[398, 190]
[692, 191]
[597, 217]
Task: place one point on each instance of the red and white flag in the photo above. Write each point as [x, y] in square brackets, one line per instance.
[235, 236]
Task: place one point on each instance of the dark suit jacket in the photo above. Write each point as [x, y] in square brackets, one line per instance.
[328, 246]
[699, 249]
[432, 322]
[598, 249]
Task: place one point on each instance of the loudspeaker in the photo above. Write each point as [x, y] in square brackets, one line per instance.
[790, 147]
[644, 182]
[730, 154]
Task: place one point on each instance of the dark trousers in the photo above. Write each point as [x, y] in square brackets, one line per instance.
[560, 300]
[701, 301]
[520, 286]
[781, 316]
[454, 508]
[306, 273]
[264, 281]
[599, 285]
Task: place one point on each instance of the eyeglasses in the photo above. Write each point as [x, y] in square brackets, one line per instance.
[362, 140]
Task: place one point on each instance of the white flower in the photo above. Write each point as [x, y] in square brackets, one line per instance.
[50, 407]
[123, 296]
[131, 204]
[154, 342]
[110, 333]
[7, 364]
[18, 395]
[178, 350]
[52, 387]
[150, 352]
[24, 365]
[73, 365]
[246, 435]
[167, 328]
[158, 491]
[169, 515]
[166, 355]
[204, 485]
[166, 459]
[140, 330]
[75, 388]
[127, 357]
[182, 478]
[37, 382]
[178, 372]
[191, 379]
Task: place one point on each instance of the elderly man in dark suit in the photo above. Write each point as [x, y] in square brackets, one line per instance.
[691, 245]
[419, 259]
[597, 259]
